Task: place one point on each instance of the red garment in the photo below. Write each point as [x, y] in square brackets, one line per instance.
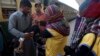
[93, 10]
[38, 17]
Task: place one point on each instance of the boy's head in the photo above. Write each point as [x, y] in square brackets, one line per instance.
[42, 25]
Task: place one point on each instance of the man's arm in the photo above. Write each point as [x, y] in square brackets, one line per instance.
[12, 27]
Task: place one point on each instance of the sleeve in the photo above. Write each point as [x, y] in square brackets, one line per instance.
[46, 34]
[87, 40]
[12, 27]
[84, 46]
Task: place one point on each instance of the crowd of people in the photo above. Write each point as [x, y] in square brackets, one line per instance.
[44, 33]
[39, 31]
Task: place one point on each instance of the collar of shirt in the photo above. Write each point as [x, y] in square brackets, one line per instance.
[22, 14]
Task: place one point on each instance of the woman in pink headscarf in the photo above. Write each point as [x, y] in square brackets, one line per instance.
[59, 31]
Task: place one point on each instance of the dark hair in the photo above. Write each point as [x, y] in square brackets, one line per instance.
[42, 23]
[37, 4]
[25, 3]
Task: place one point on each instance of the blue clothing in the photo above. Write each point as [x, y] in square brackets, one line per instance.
[18, 23]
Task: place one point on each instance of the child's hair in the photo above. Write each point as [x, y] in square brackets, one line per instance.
[38, 4]
[42, 23]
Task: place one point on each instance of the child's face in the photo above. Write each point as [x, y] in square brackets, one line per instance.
[42, 25]
[38, 8]
[42, 28]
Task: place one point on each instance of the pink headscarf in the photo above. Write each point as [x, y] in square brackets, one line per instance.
[56, 24]
[52, 10]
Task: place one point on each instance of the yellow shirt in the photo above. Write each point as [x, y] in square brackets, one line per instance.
[88, 40]
[98, 47]
[55, 45]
